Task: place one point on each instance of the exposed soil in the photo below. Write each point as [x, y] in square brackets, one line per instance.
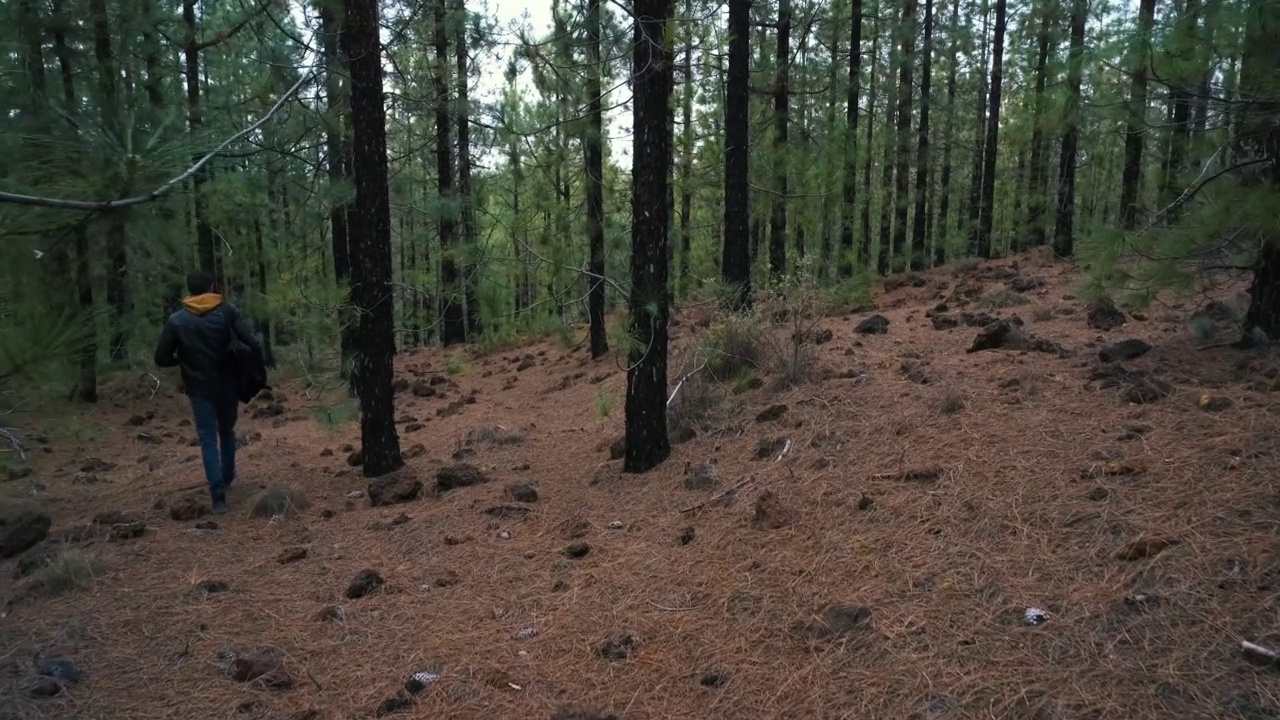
[921, 532]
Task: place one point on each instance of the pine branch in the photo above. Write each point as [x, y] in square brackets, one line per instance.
[166, 188]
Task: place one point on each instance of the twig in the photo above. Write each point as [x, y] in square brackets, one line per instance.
[682, 379]
[156, 389]
[1258, 652]
[673, 609]
[720, 496]
[16, 442]
[786, 448]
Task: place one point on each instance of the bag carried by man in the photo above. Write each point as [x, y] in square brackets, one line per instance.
[245, 366]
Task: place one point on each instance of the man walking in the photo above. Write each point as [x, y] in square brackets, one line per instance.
[196, 339]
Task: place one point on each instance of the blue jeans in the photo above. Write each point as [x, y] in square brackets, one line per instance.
[215, 420]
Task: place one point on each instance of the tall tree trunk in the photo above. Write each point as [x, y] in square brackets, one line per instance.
[948, 134]
[987, 210]
[781, 119]
[453, 327]
[885, 261]
[370, 238]
[647, 444]
[466, 201]
[1037, 191]
[593, 146]
[206, 248]
[338, 160]
[86, 388]
[902, 175]
[686, 151]
[1260, 138]
[1180, 102]
[864, 250]
[847, 251]
[1064, 223]
[115, 221]
[919, 228]
[1135, 132]
[735, 263]
[979, 144]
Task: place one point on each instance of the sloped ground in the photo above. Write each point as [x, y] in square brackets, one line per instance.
[938, 497]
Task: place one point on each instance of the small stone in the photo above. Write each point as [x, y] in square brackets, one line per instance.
[577, 550]
[1098, 494]
[771, 413]
[212, 587]
[620, 646]
[23, 532]
[874, 325]
[356, 459]
[206, 525]
[364, 583]
[522, 492]
[688, 535]
[188, 509]
[420, 681]
[714, 679]
[331, 613]
[526, 633]
[291, 555]
[616, 525]
[701, 477]
[865, 502]
[1214, 403]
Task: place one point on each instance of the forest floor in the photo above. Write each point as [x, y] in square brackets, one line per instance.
[917, 532]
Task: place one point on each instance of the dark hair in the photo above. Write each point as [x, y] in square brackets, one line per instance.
[201, 282]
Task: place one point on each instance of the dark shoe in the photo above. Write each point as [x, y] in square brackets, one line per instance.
[219, 507]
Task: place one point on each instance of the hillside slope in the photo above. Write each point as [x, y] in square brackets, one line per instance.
[919, 532]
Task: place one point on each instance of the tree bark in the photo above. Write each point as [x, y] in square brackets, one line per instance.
[1037, 192]
[920, 227]
[453, 326]
[1064, 222]
[735, 263]
[338, 160]
[647, 444]
[371, 240]
[986, 210]
[781, 119]
[902, 175]
[1135, 133]
[948, 135]
[1260, 138]
[979, 145]
[864, 250]
[466, 200]
[593, 146]
[847, 251]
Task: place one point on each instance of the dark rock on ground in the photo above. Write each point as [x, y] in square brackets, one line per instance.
[279, 500]
[618, 448]
[1135, 386]
[60, 669]
[206, 525]
[423, 388]
[264, 666]
[1104, 315]
[865, 502]
[415, 450]
[459, 476]
[331, 613]
[522, 492]
[394, 488]
[446, 579]
[394, 704]
[1098, 494]
[356, 459]
[874, 325]
[32, 560]
[211, 587]
[769, 447]
[944, 321]
[680, 435]
[364, 583]
[1005, 334]
[770, 513]
[44, 687]
[771, 413]
[701, 477]
[577, 550]
[96, 465]
[188, 509]
[619, 646]
[1124, 350]
[508, 511]
[1025, 283]
[1213, 403]
[22, 532]
[714, 679]
[291, 555]
[688, 535]
[836, 620]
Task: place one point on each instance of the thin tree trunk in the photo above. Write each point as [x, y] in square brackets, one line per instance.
[686, 152]
[1037, 192]
[979, 143]
[902, 174]
[943, 234]
[920, 227]
[115, 221]
[466, 201]
[864, 252]
[781, 119]
[593, 146]
[1064, 224]
[847, 251]
[885, 260]
[453, 327]
[1135, 133]
[987, 209]
[205, 245]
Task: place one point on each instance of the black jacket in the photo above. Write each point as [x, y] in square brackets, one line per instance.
[195, 339]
